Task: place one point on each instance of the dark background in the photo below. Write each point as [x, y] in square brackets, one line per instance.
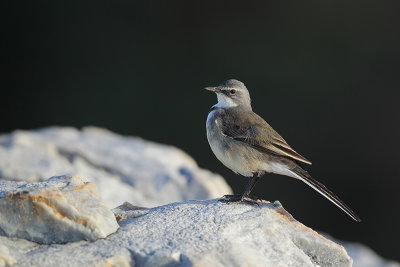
[324, 74]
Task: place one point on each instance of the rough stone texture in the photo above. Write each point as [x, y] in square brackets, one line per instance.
[179, 234]
[57, 210]
[5, 257]
[194, 233]
[127, 211]
[123, 168]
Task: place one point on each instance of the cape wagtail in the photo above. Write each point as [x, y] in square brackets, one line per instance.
[247, 145]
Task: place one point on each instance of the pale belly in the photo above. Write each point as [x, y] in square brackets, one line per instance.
[235, 155]
[238, 156]
[233, 160]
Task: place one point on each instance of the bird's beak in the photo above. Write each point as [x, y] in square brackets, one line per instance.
[213, 89]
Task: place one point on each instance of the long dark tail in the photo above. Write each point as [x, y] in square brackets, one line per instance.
[306, 177]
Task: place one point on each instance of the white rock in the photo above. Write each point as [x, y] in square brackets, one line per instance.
[362, 255]
[127, 211]
[366, 257]
[123, 168]
[150, 174]
[57, 210]
[5, 257]
[195, 233]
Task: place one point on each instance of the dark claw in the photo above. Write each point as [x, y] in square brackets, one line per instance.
[235, 199]
[231, 199]
[255, 198]
[251, 201]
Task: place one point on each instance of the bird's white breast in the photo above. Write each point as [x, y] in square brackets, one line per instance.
[225, 102]
[226, 149]
[237, 156]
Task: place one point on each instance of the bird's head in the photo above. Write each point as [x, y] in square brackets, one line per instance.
[231, 93]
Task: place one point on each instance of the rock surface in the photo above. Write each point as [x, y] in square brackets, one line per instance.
[194, 233]
[5, 257]
[363, 256]
[179, 234]
[57, 210]
[123, 168]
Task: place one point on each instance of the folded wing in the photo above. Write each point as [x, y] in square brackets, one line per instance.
[252, 130]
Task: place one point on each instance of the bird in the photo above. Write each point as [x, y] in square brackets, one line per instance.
[245, 143]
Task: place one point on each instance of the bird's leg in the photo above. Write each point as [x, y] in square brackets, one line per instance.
[256, 177]
[250, 185]
[245, 195]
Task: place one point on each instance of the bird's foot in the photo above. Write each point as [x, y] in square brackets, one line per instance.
[231, 199]
[234, 199]
[255, 198]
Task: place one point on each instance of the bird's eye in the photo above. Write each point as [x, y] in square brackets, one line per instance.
[232, 91]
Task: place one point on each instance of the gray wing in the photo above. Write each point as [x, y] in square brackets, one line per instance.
[252, 130]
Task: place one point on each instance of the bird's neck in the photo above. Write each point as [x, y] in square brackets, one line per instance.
[225, 102]
[238, 107]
